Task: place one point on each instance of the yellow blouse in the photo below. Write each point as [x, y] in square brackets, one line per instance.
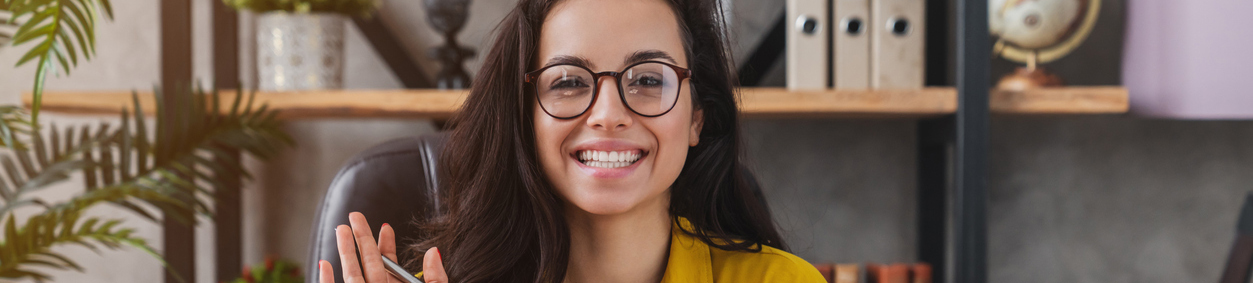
[691, 260]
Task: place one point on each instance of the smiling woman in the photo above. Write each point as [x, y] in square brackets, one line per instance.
[600, 144]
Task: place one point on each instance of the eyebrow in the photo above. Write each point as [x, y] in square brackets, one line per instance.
[569, 60]
[645, 55]
[638, 56]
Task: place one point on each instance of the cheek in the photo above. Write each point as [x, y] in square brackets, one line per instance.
[672, 132]
[550, 135]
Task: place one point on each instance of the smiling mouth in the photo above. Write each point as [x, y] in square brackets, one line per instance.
[609, 159]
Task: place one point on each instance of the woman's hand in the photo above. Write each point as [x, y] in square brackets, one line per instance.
[375, 271]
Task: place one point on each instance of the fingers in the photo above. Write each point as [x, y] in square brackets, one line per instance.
[387, 241]
[348, 255]
[433, 267]
[387, 246]
[370, 256]
[326, 274]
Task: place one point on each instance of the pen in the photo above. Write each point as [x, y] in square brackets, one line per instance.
[399, 272]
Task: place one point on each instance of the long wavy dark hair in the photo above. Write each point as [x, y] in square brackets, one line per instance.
[503, 221]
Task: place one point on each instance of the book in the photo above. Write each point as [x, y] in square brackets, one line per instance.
[847, 273]
[893, 273]
[921, 273]
[827, 270]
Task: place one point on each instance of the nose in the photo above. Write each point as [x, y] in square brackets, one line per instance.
[608, 113]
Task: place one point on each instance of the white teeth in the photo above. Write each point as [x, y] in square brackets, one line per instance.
[606, 164]
[608, 159]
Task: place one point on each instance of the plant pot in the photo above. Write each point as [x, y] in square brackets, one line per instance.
[299, 51]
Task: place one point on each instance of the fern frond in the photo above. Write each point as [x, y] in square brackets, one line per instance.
[191, 155]
[30, 246]
[13, 122]
[53, 28]
[50, 24]
[30, 173]
[183, 141]
[7, 23]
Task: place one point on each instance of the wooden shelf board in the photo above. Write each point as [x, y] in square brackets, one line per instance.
[434, 104]
[780, 102]
[1062, 100]
[754, 102]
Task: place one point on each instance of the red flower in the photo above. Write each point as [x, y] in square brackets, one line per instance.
[248, 274]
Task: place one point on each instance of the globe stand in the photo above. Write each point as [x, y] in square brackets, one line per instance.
[1030, 77]
[1024, 39]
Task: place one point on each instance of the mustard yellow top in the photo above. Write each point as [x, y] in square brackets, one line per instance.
[691, 260]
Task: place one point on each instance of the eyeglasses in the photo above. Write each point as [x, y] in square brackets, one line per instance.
[648, 88]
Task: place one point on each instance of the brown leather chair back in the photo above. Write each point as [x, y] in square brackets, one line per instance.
[391, 183]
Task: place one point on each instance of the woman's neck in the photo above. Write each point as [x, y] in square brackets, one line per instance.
[628, 247]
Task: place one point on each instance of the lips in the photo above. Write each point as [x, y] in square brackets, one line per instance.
[608, 159]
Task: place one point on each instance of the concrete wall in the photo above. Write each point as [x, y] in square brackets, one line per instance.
[1078, 198]
[1115, 199]
[1072, 199]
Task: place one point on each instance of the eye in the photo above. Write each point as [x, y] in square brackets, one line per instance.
[568, 83]
[648, 80]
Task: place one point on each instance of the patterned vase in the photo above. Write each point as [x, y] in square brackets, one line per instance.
[300, 51]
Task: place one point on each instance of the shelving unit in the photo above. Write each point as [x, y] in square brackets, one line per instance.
[952, 113]
[755, 102]
[952, 136]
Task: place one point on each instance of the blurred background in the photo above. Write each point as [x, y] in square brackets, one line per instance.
[1145, 194]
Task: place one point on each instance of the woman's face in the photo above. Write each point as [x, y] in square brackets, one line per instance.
[608, 36]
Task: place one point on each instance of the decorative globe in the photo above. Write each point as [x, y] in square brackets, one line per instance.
[1036, 32]
[1035, 24]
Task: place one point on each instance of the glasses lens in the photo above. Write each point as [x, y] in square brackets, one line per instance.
[565, 91]
[651, 88]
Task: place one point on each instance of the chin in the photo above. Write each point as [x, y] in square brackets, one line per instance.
[608, 201]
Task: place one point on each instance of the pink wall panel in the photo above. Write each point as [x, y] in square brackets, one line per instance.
[1190, 59]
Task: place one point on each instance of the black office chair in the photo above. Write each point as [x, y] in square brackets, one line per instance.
[392, 183]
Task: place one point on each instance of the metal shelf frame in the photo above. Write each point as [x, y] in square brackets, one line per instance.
[953, 150]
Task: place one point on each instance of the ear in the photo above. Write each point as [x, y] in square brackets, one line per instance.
[698, 121]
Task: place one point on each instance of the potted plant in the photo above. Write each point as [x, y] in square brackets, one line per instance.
[300, 43]
[170, 170]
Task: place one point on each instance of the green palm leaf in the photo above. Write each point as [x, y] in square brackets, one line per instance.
[58, 31]
[173, 170]
[7, 26]
[50, 23]
[13, 121]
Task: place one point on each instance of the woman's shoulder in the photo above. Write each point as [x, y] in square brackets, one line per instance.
[768, 265]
